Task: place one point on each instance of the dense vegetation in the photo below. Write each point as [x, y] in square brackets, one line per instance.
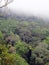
[24, 42]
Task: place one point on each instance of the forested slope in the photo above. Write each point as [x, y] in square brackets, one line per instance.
[24, 41]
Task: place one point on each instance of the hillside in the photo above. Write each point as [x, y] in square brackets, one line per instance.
[25, 39]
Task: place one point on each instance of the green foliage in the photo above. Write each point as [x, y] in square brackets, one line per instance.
[20, 60]
[39, 61]
[10, 59]
[1, 35]
[21, 47]
[46, 40]
[29, 40]
[47, 63]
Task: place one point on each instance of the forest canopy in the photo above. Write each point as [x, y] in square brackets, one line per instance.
[24, 42]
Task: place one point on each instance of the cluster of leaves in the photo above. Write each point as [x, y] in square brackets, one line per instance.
[7, 58]
[24, 42]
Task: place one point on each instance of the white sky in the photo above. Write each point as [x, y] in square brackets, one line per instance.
[40, 7]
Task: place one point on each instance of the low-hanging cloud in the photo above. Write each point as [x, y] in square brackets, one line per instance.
[31, 6]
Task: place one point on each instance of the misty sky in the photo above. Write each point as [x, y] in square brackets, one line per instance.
[36, 7]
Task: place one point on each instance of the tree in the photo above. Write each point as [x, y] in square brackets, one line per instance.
[47, 63]
[10, 59]
[4, 3]
[21, 48]
[1, 35]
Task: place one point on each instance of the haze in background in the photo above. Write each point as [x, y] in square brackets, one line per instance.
[36, 7]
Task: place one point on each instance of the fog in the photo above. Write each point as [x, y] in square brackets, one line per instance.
[36, 7]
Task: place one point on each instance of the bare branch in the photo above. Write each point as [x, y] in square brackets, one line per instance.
[6, 2]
